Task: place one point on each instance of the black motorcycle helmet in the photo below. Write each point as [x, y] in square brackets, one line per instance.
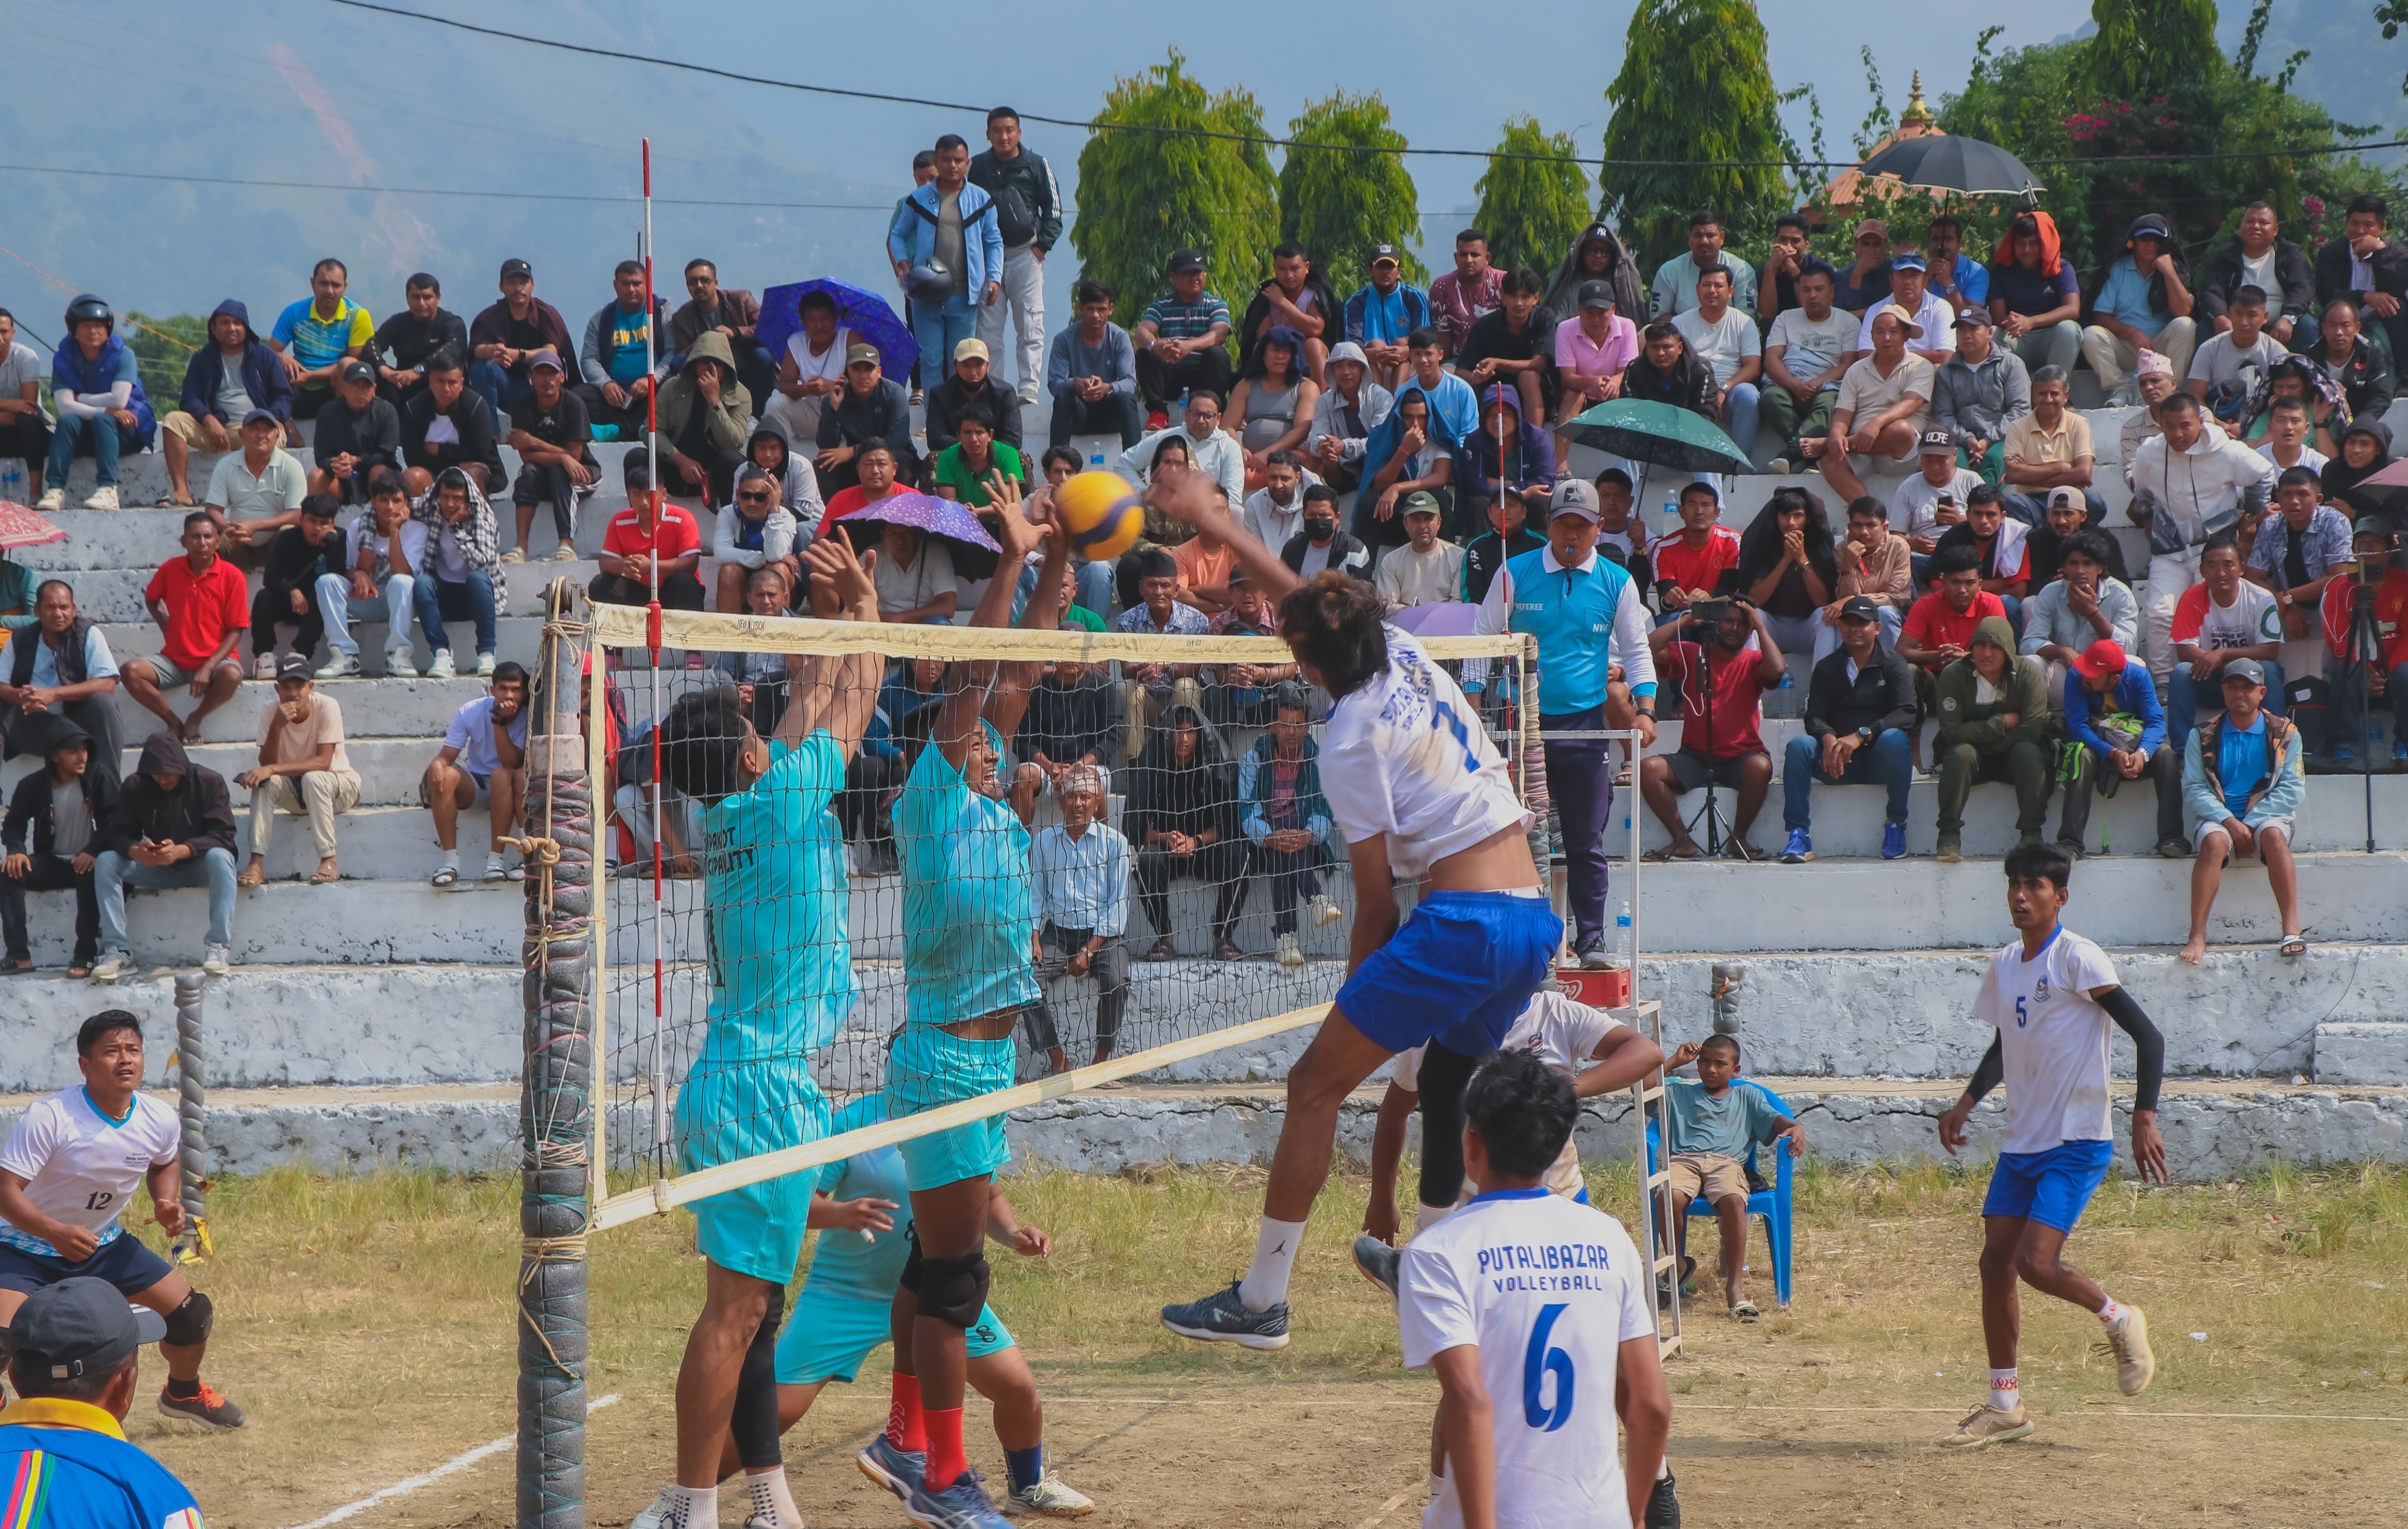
[87, 308]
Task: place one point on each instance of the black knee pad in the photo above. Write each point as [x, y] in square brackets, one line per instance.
[914, 1265]
[954, 1290]
[189, 1324]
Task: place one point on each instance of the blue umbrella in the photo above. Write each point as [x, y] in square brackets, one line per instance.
[975, 553]
[864, 312]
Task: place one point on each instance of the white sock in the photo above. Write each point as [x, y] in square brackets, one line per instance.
[692, 1507]
[1426, 1217]
[1663, 1470]
[2111, 1313]
[2006, 1392]
[1266, 1282]
[772, 1499]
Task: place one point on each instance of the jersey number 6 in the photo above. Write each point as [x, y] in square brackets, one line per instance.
[1539, 1362]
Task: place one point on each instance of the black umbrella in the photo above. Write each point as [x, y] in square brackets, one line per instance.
[1945, 162]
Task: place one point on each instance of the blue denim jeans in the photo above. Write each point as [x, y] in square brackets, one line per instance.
[2185, 696]
[937, 331]
[503, 393]
[100, 438]
[1739, 416]
[435, 598]
[113, 874]
[1888, 761]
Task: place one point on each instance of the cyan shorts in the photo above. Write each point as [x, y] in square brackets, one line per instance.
[828, 1335]
[742, 1112]
[929, 1067]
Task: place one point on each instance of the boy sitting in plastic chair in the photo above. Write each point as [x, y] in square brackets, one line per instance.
[1714, 1126]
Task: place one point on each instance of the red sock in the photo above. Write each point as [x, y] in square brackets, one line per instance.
[947, 1463]
[904, 1427]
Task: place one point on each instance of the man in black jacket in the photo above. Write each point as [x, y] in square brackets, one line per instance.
[972, 387]
[358, 434]
[311, 549]
[1028, 215]
[2343, 352]
[403, 342]
[450, 425]
[172, 827]
[60, 668]
[1321, 545]
[2369, 269]
[2260, 257]
[63, 807]
[871, 408]
[1860, 716]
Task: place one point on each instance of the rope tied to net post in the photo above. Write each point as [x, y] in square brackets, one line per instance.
[192, 1153]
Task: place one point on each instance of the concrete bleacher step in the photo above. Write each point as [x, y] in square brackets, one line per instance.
[114, 595]
[372, 708]
[516, 638]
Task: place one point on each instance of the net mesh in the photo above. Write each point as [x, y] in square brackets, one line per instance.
[1145, 871]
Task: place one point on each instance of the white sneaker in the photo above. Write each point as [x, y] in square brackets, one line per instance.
[1287, 952]
[1048, 1497]
[1029, 394]
[442, 667]
[102, 499]
[110, 967]
[340, 666]
[656, 1515]
[217, 960]
[400, 665]
[485, 666]
[264, 667]
[1325, 913]
[53, 498]
[1986, 1425]
[2127, 1339]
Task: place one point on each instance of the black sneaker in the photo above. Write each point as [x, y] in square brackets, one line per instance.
[1222, 1318]
[1377, 1262]
[1663, 1507]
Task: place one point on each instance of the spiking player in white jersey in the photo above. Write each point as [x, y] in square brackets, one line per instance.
[1420, 793]
[1538, 1314]
[2050, 996]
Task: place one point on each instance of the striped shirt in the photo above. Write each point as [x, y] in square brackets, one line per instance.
[1173, 319]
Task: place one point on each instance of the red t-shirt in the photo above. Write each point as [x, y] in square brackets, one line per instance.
[1739, 696]
[1675, 561]
[201, 609]
[673, 536]
[1933, 623]
[845, 501]
[2390, 616]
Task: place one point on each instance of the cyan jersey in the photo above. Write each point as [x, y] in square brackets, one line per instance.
[853, 1265]
[967, 929]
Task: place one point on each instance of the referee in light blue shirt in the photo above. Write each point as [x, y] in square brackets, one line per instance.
[1586, 614]
[1078, 893]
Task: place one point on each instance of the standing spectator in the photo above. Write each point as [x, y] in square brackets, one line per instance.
[1874, 564]
[2222, 617]
[483, 760]
[2227, 367]
[1286, 819]
[1593, 348]
[1934, 318]
[2035, 294]
[2361, 371]
[256, 492]
[552, 434]
[625, 355]
[1319, 544]
[1788, 572]
[303, 768]
[358, 434]
[2367, 267]
[872, 407]
[1700, 560]
[65, 1435]
[1463, 297]
[2117, 732]
[1182, 340]
[644, 541]
[1345, 417]
[1725, 337]
[1722, 722]
[1863, 284]
[753, 531]
[2188, 483]
[1385, 313]
[1028, 221]
[736, 315]
[1079, 895]
[201, 605]
[1675, 287]
[225, 381]
[2299, 551]
[1275, 512]
[2242, 786]
[2003, 543]
[1861, 712]
[25, 429]
[1792, 257]
[1994, 725]
[1150, 689]
[505, 336]
[388, 558]
[2360, 679]
[1585, 613]
[51, 834]
[1424, 570]
[1667, 371]
[463, 564]
[2051, 447]
[2260, 257]
[2085, 606]
[303, 554]
[1209, 449]
[947, 250]
[399, 349]
[1091, 374]
[59, 667]
[1515, 346]
[811, 372]
[1980, 390]
[1597, 255]
[1883, 409]
[96, 387]
[1184, 821]
[173, 826]
[2141, 301]
[316, 336]
[1954, 277]
[971, 388]
[449, 425]
[1804, 358]
[705, 417]
[1073, 720]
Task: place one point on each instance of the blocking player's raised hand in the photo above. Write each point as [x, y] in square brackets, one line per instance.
[832, 564]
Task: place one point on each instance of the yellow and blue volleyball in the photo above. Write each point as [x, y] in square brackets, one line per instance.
[1102, 512]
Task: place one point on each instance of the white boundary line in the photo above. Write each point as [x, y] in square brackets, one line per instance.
[453, 1466]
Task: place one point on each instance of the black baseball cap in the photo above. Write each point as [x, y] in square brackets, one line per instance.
[1388, 253]
[515, 266]
[1597, 295]
[1859, 608]
[78, 1327]
[1184, 261]
[357, 371]
[294, 666]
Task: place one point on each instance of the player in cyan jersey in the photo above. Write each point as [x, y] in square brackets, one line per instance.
[1536, 1312]
[2050, 995]
[1420, 793]
[775, 897]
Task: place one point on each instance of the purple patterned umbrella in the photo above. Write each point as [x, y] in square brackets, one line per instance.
[866, 313]
[1436, 618]
[974, 552]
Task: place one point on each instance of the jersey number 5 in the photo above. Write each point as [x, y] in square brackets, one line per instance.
[2021, 1017]
[1539, 1361]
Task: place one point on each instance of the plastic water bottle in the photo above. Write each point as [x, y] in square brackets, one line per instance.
[1622, 924]
[12, 482]
[1095, 460]
[1672, 516]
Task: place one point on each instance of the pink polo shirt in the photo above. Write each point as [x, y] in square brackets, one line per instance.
[1576, 352]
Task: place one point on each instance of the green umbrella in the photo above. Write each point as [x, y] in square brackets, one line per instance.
[1660, 434]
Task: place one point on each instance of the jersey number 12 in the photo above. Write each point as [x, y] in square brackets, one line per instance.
[1540, 1360]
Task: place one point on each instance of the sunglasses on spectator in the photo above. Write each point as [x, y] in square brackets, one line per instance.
[753, 499]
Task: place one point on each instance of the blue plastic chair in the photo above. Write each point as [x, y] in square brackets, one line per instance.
[1773, 1204]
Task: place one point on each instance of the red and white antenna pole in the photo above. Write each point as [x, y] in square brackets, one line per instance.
[652, 643]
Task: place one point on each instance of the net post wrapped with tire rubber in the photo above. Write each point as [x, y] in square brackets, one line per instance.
[556, 1094]
[192, 1083]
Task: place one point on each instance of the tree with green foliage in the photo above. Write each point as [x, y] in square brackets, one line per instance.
[1695, 87]
[1338, 203]
[2393, 14]
[1532, 208]
[2145, 47]
[1143, 194]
